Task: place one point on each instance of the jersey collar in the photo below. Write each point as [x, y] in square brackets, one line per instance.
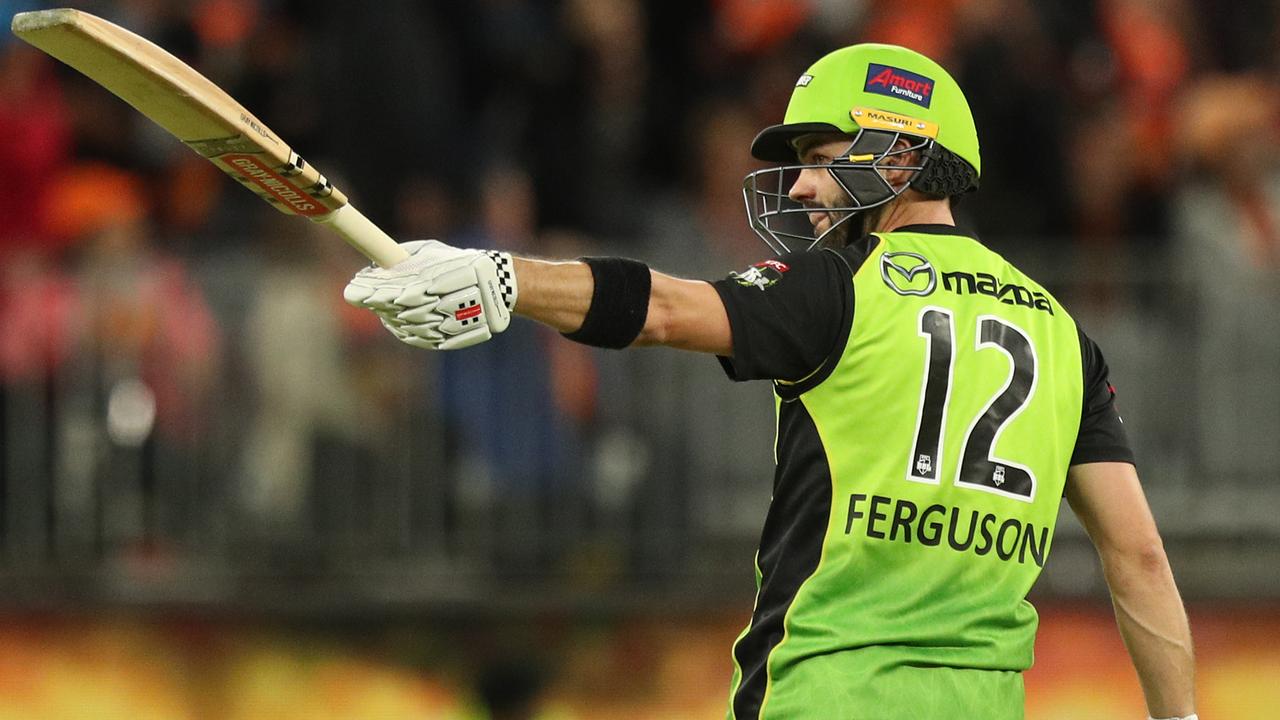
[936, 229]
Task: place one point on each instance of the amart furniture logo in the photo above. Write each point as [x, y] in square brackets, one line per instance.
[899, 83]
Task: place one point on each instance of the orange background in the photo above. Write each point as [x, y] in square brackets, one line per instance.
[136, 669]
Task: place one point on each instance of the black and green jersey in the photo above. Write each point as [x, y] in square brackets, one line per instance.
[930, 399]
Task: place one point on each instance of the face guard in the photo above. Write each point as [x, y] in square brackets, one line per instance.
[784, 224]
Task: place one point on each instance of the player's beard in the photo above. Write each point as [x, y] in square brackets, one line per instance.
[851, 229]
[841, 232]
[838, 235]
[869, 219]
[845, 229]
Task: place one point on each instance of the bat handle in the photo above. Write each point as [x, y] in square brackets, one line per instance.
[364, 236]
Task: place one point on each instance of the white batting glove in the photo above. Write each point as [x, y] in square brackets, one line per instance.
[441, 297]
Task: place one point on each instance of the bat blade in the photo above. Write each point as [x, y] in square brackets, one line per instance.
[202, 115]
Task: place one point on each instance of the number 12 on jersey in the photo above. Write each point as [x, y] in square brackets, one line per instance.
[979, 469]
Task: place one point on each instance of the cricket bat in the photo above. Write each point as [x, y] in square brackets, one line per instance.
[202, 115]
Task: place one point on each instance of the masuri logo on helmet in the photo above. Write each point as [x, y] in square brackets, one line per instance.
[840, 93]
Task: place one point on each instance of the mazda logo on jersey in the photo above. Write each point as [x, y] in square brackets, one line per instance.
[908, 273]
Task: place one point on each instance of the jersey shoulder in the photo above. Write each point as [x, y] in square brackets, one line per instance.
[855, 254]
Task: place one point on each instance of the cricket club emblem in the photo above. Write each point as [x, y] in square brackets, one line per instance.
[761, 275]
[924, 465]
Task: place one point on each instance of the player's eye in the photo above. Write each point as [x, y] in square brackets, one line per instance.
[821, 160]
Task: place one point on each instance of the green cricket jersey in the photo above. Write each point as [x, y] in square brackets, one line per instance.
[920, 470]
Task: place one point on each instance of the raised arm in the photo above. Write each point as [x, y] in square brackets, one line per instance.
[1109, 501]
[686, 314]
[447, 298]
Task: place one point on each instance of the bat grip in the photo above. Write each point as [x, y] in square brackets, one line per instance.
[364, 236]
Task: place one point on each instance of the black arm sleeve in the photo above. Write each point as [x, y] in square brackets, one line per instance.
[1102, 436]
[787, 315]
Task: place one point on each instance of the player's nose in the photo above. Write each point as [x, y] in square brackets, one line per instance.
[804, 187]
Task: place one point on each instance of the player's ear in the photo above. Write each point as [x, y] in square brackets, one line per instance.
[898, 158]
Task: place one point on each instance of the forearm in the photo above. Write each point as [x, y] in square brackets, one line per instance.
[1108, 499]
[685, 314]
[554, 293]
[1153, 624]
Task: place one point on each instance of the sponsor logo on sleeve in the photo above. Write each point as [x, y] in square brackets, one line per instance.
[899, 83]
[761, 275]
[804, 80]
[1112, 389]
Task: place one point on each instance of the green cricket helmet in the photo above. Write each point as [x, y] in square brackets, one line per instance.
[876, 94]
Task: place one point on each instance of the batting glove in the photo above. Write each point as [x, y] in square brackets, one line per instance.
[441, 297]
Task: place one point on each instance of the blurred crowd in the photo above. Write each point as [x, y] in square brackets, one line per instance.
[1133, 129]
[1092, 115]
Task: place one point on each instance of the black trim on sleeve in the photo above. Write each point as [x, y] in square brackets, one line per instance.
[1102, 436]
[785, 315]
[793, 390]
[790, 317]
[790, 549]
[852, 257]
[737, 320]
